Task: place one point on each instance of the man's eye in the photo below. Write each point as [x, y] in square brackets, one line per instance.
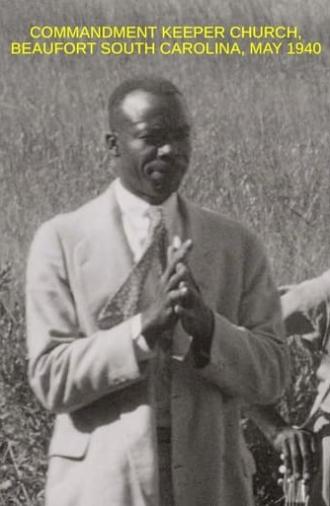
[159, 138]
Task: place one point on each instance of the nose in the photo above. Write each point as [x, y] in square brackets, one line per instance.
[165, 150]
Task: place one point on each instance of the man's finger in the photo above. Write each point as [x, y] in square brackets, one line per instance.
[177, 296]
[174, 246]
[304, 439]
[176, 280]
[313, 444]
[183, 312]
[296, 458]
[180, 264]
[287, 458]
[188, 276]
[178, 256]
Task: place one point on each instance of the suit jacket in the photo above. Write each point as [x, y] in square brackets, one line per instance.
[103, 448]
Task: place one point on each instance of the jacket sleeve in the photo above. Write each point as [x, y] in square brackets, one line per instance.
[307, 295]
[68, 370]
[251, 359]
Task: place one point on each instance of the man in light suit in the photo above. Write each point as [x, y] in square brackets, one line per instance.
[148, 395]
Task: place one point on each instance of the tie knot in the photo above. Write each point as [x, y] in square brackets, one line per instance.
[156, 215]
[156, 212]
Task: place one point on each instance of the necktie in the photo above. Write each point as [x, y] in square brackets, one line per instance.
[160, 261]
[127, 300]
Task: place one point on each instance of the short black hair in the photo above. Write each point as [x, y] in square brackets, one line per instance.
[152, 84]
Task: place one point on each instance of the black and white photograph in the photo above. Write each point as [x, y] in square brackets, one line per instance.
[165, 253]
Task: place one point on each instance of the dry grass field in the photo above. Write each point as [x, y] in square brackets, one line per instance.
[260, 153]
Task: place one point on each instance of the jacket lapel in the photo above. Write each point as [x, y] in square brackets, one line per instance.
[103, 255]
[200, 259]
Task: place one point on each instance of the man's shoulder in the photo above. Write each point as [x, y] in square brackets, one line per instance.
[73, 224]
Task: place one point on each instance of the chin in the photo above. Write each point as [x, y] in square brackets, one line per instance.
[156, 200]
[158, 195]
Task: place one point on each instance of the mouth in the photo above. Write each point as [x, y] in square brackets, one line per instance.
[164, 176]
[159, 173]
[158, 167]
[157, 176]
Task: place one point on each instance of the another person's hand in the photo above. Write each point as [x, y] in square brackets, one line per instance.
[304, 296]
[297, 449]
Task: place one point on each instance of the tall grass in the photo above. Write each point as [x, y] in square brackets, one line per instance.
[260, 153]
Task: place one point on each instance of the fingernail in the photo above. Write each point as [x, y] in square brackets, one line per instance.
[176, 242]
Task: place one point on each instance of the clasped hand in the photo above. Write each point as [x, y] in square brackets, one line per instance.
[177, 297]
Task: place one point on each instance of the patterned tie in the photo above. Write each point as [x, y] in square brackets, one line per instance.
[127, 300]
[162, 364]
[160, 260]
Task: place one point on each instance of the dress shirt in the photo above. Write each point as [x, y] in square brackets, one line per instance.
[136, 212]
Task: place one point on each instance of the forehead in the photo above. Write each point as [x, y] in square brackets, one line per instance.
[142, 106]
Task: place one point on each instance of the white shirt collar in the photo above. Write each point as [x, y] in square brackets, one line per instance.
[133, 206]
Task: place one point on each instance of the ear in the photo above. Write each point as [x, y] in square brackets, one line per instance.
[112, 143]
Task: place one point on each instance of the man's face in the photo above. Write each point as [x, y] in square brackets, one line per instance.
[153, 144]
